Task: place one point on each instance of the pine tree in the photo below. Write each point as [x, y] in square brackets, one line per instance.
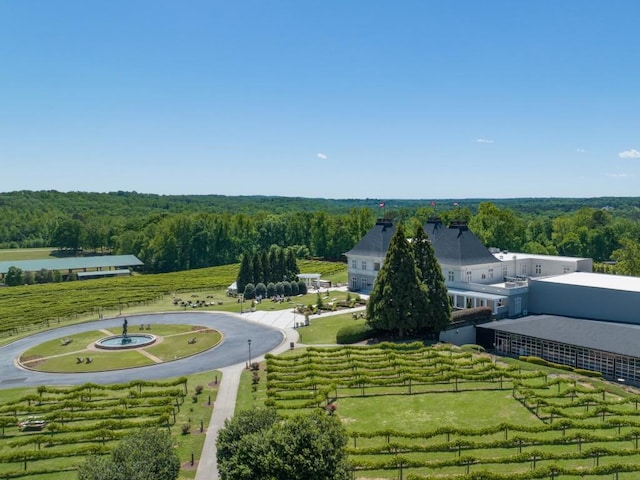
[245, 275]
[398, 301]
[258, 274]
[291, 265]
[266, 267]
[430, 275]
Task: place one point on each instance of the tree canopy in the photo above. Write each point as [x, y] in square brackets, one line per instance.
[148, 454]
[261, 445]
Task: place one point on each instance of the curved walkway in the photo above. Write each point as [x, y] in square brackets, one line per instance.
[232, 350]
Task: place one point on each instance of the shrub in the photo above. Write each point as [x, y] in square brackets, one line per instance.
[249, 291]
[194, 398]
[354, 333]
[271, 289]
[588, 373]
[294, 289]
[287, 288]
[302, 287]
[261, 290]
[280, 288]
[199, 389]
[472, 315]
[186, 429]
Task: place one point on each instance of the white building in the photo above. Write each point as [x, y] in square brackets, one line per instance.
[473, 275]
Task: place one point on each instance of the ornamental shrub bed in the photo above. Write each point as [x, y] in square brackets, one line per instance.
[443, 412]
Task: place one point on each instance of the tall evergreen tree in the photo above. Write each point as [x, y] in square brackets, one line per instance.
[245, 274]
[266, 267]
[258, 274]
[430, 274]
[398, 301]
[291, 265]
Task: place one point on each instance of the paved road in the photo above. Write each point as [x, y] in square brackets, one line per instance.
[234, 349]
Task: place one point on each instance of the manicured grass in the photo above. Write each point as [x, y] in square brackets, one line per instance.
[178, 346]
[54, 356]
[100, 361]
[18, 254]
[417, 413]
[322, 330]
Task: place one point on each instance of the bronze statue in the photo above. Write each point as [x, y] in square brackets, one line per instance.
[124, 327]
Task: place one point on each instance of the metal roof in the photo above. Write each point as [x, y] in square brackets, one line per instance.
[595, 280]
[72, 263]
[457, 245]
[376, 241]
[619, 338]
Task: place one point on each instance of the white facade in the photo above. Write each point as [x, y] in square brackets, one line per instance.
[529, 265]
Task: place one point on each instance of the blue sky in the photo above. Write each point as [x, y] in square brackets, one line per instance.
[359, 99]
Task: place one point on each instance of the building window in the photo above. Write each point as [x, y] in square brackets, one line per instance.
[538, 269]
[354, 283]
[491, 273]
[376, 266]
[363, 283]
[505, 270]
[452, 276]
[354, 264]
[364, 264]
[468, 275]
[523, 269]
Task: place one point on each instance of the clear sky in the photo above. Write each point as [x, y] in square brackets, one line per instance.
[338, 99]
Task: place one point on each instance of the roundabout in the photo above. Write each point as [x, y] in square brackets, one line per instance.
[237, 336]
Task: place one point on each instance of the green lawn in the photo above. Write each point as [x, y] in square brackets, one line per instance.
[322, 330]
[17, 254]
[56, 356]
[417, 413]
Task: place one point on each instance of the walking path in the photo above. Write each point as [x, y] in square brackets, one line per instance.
[225, 403]
[224, 408]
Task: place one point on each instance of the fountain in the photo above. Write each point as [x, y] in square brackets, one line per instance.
[124, 341]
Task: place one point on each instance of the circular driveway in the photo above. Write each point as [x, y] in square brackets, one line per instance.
[233, 349]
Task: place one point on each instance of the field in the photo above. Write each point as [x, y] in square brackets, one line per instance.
[27, 309]
[443, 412]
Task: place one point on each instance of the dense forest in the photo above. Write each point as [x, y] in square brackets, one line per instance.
[171, 233]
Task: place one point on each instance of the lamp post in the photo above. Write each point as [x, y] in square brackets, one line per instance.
[249, 343]
[120, 304]
[241, 302]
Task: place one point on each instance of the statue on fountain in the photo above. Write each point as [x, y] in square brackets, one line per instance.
[125, 337]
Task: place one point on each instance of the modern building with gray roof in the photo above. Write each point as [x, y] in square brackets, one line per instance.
[607, 347]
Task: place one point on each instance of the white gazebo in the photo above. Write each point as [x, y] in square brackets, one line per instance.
[311, 279]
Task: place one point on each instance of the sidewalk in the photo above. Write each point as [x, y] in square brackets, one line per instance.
[225, 403]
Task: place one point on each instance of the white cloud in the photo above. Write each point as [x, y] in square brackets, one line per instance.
[633, 153]
[618, 175]
[484, 140]
[580, 150]
[322, 156]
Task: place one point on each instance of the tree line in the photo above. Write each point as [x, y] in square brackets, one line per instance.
[173, 233]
